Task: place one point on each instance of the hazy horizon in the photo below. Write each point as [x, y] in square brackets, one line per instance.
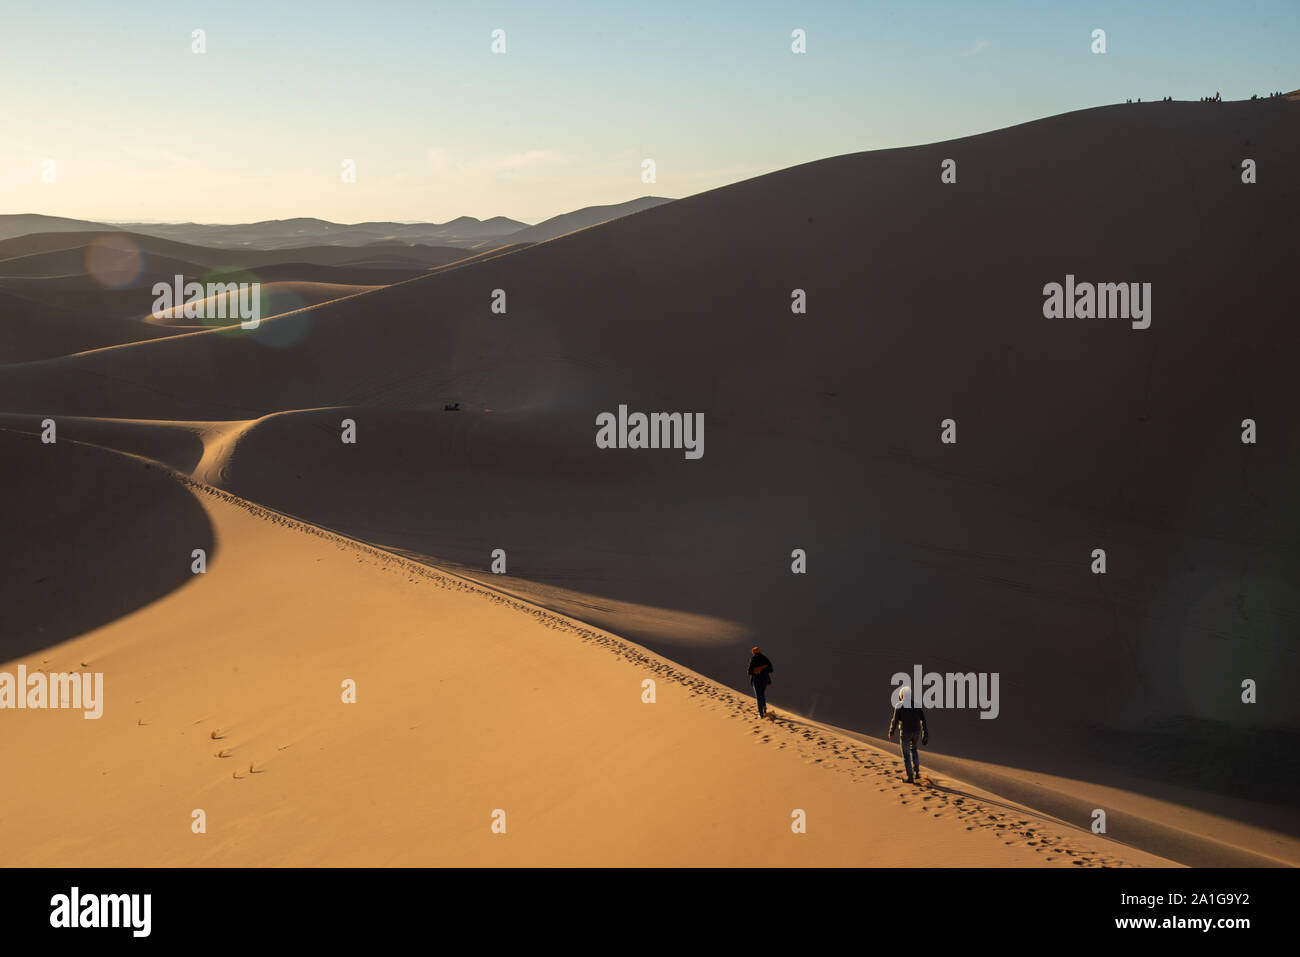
[400, 222]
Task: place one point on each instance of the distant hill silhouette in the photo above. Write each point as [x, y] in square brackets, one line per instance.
[464, 232]
[22, 224]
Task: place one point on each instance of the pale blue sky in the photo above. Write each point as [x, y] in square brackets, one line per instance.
[139, 127]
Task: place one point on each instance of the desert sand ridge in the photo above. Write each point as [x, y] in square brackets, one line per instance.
[985, 831]
[815, 741]
[823, 434]
[309, 294]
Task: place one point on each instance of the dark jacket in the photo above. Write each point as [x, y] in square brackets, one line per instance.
[910, 720]
[759, 666]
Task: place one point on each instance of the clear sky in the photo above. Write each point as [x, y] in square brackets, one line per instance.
[141, 128]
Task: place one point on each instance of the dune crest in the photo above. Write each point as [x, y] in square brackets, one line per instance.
[245, 721]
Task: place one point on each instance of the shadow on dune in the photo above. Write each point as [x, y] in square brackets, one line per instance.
[175, 444]
[925, 302]
[89, 536]
[907, 565]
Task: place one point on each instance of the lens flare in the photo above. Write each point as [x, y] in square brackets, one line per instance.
[114, 262]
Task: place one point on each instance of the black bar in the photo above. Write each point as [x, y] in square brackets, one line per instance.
[909, 907]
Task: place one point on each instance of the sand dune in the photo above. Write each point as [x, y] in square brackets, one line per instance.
[65, 247]
[822, 434]
[276, 298]
[22, 224]
[32, 330]
[115, 260]
[67, 293]
[244, 721]
[582, 219]
[333, 242]
[75, 520]
[271, 458]
[464, 232]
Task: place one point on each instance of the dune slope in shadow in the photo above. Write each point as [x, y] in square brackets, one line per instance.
[89, 536]
[925, 303]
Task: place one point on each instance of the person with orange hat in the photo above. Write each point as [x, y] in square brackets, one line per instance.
[760, 676]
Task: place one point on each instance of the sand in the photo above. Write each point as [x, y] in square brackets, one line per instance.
[1120, 692]
[224, 695]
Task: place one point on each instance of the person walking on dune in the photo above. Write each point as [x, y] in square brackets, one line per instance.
[910, 723]
[760, 676]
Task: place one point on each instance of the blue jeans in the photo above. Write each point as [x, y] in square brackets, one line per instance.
[760, 692]
[911, 760]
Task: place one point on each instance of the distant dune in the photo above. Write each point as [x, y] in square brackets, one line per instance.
[68, 246]
[22, 224]
[40, 330]
[465, 231]
[583, 218]
[276, 298]
[924, 303]
[72, 291]
[462, 233]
